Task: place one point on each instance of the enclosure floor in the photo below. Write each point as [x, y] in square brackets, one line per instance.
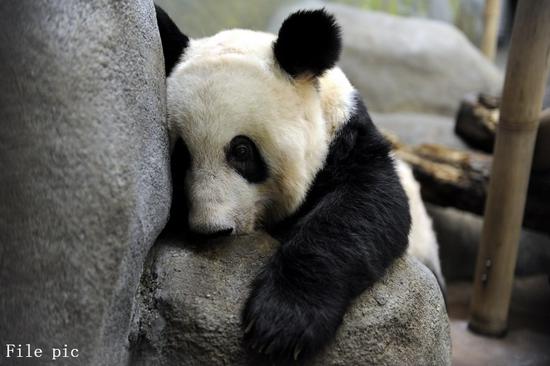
[528, 339]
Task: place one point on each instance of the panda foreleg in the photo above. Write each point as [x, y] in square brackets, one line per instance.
[336, 250]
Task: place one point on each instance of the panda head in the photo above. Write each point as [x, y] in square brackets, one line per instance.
[256, 113]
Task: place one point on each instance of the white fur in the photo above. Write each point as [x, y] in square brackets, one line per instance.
[422, 241]
[228, 85]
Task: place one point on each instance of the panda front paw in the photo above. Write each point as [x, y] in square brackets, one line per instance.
[285, 326]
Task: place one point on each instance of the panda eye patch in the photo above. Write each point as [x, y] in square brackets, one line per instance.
[243, 156]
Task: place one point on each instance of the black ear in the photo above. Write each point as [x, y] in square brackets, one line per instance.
[308, 44]
[173, 41]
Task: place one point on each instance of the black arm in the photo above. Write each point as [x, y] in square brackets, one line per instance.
[354, 223]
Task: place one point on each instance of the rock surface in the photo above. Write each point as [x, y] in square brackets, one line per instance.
[85, 185]
[407, 64]
[193, 295]
[458, 234]
[201, 18]
[416, 128]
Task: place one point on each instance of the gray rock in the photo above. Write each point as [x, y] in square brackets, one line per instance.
[417, 128]
[407, 64]
[459, 233]
[202, 18]
[85, 185]
[193, 297]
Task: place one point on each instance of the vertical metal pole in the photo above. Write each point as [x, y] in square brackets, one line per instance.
[526, 75]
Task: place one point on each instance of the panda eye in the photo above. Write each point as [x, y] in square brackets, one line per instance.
[241, 152]
[243, 156]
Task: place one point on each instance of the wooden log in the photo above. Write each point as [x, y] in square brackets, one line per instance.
[460, 179]
[449, 177]
[477, 121]
[523, 91]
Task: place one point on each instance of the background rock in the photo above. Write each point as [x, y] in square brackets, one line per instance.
[84, 185]
[193, 296]
[458, 234]
[201, 18]
[407, 64]
[417, 128]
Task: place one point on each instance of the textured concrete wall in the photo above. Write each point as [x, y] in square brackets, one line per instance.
[84, 181]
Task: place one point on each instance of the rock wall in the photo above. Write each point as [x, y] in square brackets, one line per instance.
[84, 187]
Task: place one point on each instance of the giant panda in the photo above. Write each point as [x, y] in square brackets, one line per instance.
[267, 133]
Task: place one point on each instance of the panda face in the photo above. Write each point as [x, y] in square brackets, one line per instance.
[257, 113]
[255, 137]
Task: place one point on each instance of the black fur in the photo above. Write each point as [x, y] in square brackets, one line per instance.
[173, 41]
[353, 224]
[308, 44]
[180, 162]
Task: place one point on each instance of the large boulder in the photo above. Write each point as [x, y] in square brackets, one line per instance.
[192, 297]
[407, 64]
[85, 186]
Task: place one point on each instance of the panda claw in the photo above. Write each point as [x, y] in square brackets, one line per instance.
[269, 348]
[249, 326]
[297, 351]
